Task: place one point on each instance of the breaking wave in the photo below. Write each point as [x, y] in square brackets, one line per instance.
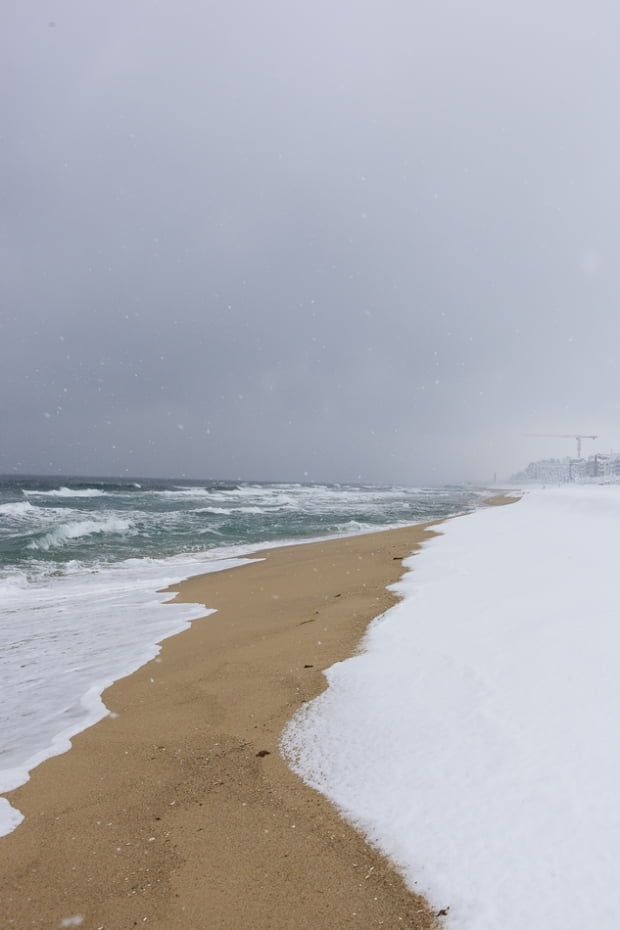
[17, 509]
[229, 511]
[67, 492]
[67, 532]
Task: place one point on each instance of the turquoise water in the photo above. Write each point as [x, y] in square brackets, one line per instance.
[47, 524]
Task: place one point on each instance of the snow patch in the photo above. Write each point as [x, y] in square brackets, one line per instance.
[473, 738]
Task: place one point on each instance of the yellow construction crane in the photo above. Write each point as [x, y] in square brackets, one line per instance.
[577, 436]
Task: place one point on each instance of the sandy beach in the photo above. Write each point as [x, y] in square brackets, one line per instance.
[177, 810]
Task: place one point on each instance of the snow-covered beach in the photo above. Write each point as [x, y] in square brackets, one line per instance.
[470, 738]
[473, 736]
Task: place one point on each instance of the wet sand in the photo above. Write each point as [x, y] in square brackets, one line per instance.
[177, 810]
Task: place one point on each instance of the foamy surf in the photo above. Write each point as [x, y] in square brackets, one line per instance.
[71, 531]
[81, 564]
[64, 642]
[66, 492]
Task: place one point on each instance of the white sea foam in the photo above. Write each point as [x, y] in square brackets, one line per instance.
[262, 496]
[223, 511]
[473, 739]
[71, 626]
[182, 493]
[63, 641]
[67, 532]
[353, 528]
[67, 492]
[67, 636]
[311, 499]
[18, 509]
[229, 511]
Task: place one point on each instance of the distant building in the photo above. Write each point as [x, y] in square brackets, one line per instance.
[599, 468]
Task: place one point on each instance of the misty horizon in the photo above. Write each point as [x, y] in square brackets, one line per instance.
[370, 243]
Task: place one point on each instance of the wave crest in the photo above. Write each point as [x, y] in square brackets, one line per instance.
[67, 492]
[17, 509]
[229, 511]
[67, 532]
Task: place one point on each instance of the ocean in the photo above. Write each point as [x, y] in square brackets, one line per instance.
[82, 561]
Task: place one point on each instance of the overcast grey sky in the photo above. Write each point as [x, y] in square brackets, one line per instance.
[338, 240]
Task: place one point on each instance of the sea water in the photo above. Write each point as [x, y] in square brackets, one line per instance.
[82, 562]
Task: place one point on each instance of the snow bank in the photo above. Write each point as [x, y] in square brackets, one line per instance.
[473, 739]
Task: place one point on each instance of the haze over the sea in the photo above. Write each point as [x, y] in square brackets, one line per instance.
[368, 242]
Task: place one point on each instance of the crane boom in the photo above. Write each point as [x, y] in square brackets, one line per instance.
[577, 436]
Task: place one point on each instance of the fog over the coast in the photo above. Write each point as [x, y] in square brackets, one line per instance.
[329, 241]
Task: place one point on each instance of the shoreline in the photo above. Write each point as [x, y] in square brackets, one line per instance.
[87, 706]
[177, 808]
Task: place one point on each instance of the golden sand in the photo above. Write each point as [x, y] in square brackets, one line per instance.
[177, 811]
